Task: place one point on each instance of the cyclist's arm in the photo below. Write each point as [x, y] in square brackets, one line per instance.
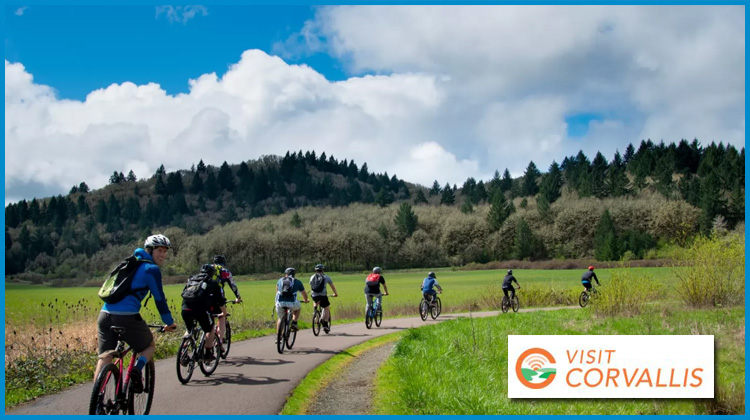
[597, 280]
[304, 294]
[153, 280]
[233, 285]
[335, 293]
[385, 288]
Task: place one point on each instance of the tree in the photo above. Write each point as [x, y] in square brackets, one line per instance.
[507, 182]
[384, 197]
[420, 198]
[542, 206]
[435, 190]
[551, 185]
[711, 202]
[83, 188]
[296, 220]
[406, 220]
[529, 185]
[196, 186]
[597, 175]
[467, 207]
[115, 178]
[201, 167]
[159, 187]
[160, 171]
[225, 177]
[131, 176]
[174, 183]
[606, 247]
[448, 197]
[211, 186]
[524, 241]
[500, 209]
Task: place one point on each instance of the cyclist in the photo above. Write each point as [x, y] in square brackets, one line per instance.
[428, 287]
[286, 296]
[321, 297]
[586, 278]
[508, 285]
[224, 277]
[372, 287]
[126, 313]
[200, 312]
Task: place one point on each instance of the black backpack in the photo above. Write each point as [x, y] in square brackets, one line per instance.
[318, 283]
[197, 287]
[117, 285]
[287, 287]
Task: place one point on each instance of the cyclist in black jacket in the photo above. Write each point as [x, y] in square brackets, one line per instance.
[508, 284]
[586, 278]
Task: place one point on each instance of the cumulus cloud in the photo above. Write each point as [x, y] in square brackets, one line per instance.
[180, 14]
[435, 93]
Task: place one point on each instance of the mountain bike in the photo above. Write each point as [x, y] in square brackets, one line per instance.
[227, 339]
[374, 312]
[433, 308]
[113, 391]
[317, 320]
[510, 302]
[585, 297]
[286, 335]
[191, 352]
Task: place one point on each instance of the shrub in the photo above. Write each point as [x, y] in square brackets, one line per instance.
[626, 293]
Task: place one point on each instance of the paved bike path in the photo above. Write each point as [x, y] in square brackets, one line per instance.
[254, 379]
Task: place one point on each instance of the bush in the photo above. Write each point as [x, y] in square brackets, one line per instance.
[626, 293]
[713, 272]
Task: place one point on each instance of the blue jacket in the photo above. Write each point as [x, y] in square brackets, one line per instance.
[429, 283]
[147, 278]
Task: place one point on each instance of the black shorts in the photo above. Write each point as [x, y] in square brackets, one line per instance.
[587, 285]
[322, 301]
[137, 335]
[202, 316]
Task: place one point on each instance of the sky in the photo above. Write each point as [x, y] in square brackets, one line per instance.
[422, 92]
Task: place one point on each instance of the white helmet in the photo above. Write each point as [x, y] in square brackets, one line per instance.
[154, 241]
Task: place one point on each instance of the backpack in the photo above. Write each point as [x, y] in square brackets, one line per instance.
[117, 285]
[287, 287]
[318, 283]
[373, 280]
[196, 288]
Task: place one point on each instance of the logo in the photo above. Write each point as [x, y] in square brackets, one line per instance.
[535, 368]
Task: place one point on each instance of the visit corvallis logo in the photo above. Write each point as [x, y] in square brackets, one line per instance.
[535, 368]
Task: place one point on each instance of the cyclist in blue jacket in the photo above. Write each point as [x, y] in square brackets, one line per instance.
[428, 287]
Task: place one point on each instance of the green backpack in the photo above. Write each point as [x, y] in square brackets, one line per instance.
[117, 285]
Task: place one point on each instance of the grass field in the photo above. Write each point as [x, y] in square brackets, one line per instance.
[430, 364]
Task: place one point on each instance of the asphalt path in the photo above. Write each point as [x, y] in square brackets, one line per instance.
[254, 379]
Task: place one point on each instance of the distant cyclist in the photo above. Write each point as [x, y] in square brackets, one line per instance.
[286, 296]
[428, 287]
[372, 287]
[318, 283]
[586, 278]
[508, 285]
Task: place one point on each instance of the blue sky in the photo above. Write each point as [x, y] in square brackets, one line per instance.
[424, 92]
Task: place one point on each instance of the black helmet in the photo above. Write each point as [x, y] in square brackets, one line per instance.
[290, 271]
[207, 268]
[319, 267]
[431, 274]
[219, 259]
[377, 270]
[510, 271]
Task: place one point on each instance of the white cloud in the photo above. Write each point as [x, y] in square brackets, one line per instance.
[456, 92]
[20, 10]
[181, 14]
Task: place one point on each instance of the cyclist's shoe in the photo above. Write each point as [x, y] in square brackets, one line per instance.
[187, 334]
[136, 381]
[209, 355]
[294, 326]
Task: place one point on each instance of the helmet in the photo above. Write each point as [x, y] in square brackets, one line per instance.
[510, 271]
[207, 268]
[377, 270]
[591, 267]
[319, 267]
[431, 274]
[290, 271]
[220, 259]
[154, 241]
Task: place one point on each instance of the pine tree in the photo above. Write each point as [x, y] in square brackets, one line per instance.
[447, 198]
[529, 186]
[500, 209]
[406, 220]
[551, 185]
[196, 186]
[83, 188]
[605, 240]
[225, 177]
[201, 167]
[435, 190]
[296, 220]
[420, 198]
[597, 176]
[542, 206]
[507, 182]
[131, 176]
[211, 186]
[384, 197]
[711, 202]
[523, 244]
[174, 183]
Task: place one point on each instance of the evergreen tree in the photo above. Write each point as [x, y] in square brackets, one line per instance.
[367, 196]
[225, 177]
[523, 244]
[664, 171]
[467, 207]
[131, 176]
[160, 171]
[73, 190]
[542, 206]
[211, 186]
[406, 220]
[159, 187]
[529, 186]
[420, 198]
[296, 220]
[711, 202]
[101, 211]
[736, 211]
[113, 208]
[435, 190]
[597, 176]
[174, 183]
[363, 173]
[384, 197]
[500, 209]
[132, 211]
[507, 182]
[114, 178]
[196, 186]
[229, 214]
[83, 188]
[617, 179]
[629, 152]
[83, 207]
[448, 197]
[605, 240]
[551, 185]
[201, 167]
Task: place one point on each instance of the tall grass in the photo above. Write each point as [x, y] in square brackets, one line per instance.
[626, 293]
[715, 272]
[460, 367]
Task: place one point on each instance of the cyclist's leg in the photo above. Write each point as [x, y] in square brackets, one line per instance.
[512, 292]
[206, 321]
[368, 298]
[279, 314]
[380, 300]
[505, 291]
[223, 321]
[324, 304]
[586, 285]
[106, 341]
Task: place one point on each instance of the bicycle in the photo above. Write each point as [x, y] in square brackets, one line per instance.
[374, 312]
[434, 308]
[191, 352]
[112, 392]
[510, 302]
[584, 297]
[317, 321]
[227, 341]
[285, 336]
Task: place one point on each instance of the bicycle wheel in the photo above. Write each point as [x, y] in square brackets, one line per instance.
[209, 366]
[104, 394]
[186, 360]
[583, 299]
[280, 336]
[423, 309]
[140, 404]
[368, 318]
[514, 303]
[316, 323]
[434, 310]
[291, 335]
[330, 321]
[439, 305]
[227, 341]
[505, 304]
[378, 316]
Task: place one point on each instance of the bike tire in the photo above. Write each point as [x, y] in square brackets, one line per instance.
[140, 404]
[423, 309]
[186, 360]
[209, 366]
[368, 318]
[104, 394]
[505, 304]
[378, 317]
[515, 303]
[439, 305]
[316, 325]
[583, 299]
[291, 336]
[227, 341]
[330, 321]
[280, 336]
[434, 310]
